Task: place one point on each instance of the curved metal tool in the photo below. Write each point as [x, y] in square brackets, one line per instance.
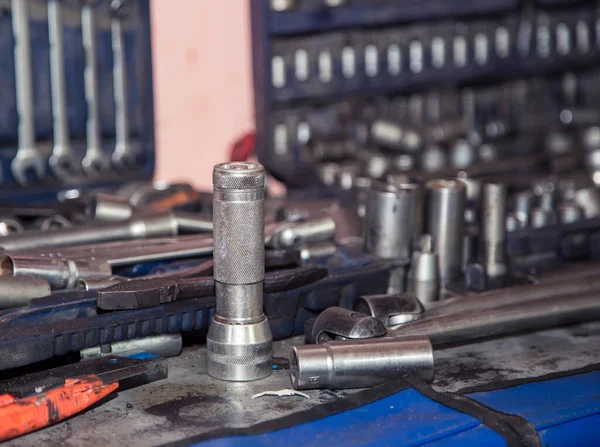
[61, 161]
[338, 323]
[391, 310]
[464, 327]
[95, 161]
[124, 154]
[142, 293]
[27, 159]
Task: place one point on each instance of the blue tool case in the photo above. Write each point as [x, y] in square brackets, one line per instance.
[325, 70]
[129, 52]
[518, 74]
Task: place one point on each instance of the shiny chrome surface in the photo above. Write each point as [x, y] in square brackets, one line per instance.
[446, 201]
[239, 340]
[360, 363]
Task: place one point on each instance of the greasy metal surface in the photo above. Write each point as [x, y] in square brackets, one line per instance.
[190, 403]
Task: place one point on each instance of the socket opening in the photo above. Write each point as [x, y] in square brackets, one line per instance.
[294, 368]
[8, 227]
[239, 166]
[394, 188]
[445, 184]
[7, 267]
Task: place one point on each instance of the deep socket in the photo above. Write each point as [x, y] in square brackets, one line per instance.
[494, 230]
[390, 220]
[360, 363]
[390, 227]
[239, 340]
[446, 201]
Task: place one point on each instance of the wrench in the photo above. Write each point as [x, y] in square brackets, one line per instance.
[124, 154]
[95, 161]
[61, 161]
[27, 159]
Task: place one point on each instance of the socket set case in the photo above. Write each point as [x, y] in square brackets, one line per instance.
[104, 65]
[325, 71]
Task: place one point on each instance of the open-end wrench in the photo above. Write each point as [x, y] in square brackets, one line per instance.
[61, 161]
[95, 161]
[124, 154]
[27, 159]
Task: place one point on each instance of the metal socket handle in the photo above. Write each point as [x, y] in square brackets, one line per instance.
[239, 340]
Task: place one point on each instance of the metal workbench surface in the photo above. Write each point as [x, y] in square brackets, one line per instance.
[190, 403]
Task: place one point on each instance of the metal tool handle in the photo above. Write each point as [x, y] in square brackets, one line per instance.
[27, 158]
[123, 155]
[24, 81]
[95, 160]
[61, 161]
[529, 316]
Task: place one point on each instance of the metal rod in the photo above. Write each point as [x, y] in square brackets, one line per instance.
[494, 231]
[524, 316]
[559, 286]
[164, 345]
[19, 291]
[138, 227]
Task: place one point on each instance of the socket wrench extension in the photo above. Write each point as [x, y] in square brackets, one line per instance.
[28, 159]
[507, 319]
[95, 160]
[61, 161]
[138, 227]
[17, 291]
[446, 201]
[495, 259]
[59, 273]
[239, 340]
[360, 363]
[163, 345]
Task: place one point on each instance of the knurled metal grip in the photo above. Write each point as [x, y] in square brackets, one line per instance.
[238, 216]
[239, 341]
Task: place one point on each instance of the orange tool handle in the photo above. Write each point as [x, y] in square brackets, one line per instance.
[21, 416]
[178, 198]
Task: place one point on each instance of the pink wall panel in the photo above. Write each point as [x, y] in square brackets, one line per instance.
[202, 83]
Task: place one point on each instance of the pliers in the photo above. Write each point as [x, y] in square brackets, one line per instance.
[38, 400]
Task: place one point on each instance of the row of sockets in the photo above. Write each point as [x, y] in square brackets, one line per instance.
[351, 62]
[291, 5]
[460, 155]
[491, 111]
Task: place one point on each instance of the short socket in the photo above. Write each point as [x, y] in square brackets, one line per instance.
[446, 201]
[239, 340]
[524, 202]
[462, 154]
[390, 220]
[433, 158]
[569, 213]
[589, 199]
[541, 218]
[423, 279]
